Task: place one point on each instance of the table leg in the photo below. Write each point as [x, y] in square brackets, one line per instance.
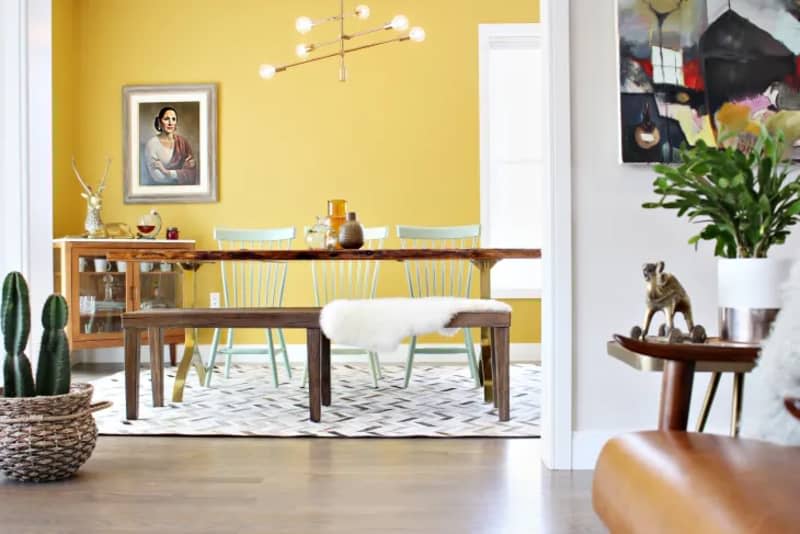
[155, 336]
[485, 367]
[711, 392]
[738, 391]
[325, 362]
[132, 362]
[313, 346]
[191, 357]
[191, 353]
[500, 348]
[676, 395]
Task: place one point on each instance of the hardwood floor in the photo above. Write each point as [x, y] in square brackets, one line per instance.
[238, 485]
[322, 486]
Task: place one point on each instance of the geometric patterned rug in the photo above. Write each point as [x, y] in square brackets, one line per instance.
[441, 401]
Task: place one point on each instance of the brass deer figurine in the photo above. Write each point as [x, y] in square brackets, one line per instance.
[665, 292]
[93, 224]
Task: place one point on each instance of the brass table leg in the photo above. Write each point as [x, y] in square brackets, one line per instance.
[191, 353]
[485, 366]
[711, 392]
[738, 391]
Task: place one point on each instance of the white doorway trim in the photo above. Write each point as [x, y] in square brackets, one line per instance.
[557, 335]
[505, 108]
[26, 148]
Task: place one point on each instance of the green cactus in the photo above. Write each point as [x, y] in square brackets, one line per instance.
[53, 371]
[15, 320]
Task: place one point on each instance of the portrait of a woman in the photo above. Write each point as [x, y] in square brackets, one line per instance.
[168, 158]
[169, 147]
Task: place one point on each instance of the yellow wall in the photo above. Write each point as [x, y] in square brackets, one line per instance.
[399, 140]
[68, 211]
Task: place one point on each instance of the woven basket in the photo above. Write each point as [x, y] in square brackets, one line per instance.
[47, 438]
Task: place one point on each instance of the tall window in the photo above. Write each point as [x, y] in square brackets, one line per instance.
[512, 118]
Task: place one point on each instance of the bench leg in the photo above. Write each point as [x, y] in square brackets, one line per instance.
[500, 350]
[173, 355]
[155, 337]
[493, 344]
[314, 346]
[325, 362]
[132, 361]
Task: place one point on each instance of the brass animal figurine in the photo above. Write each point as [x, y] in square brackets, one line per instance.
[93, 224]
[665, 293]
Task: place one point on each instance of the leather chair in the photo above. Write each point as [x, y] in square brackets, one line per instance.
[685, 482]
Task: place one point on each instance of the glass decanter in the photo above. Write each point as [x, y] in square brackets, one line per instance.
[149, 225]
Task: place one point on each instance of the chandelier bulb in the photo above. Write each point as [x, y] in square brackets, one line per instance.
[399, 23]
[417, 34]
[362, 11]
[302, 50]
[304, 24]
[267, 72]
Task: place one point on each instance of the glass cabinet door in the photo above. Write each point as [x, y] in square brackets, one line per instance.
[101, 294]
[159, 286]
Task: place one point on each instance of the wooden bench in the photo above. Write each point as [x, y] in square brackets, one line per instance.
[500, 343]
[319, 364]
[156, 321]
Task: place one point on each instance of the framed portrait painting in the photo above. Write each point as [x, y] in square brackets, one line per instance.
[170, 143]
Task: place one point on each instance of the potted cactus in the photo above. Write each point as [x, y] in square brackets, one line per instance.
[46, 427]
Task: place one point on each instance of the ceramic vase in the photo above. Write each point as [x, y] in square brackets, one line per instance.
[749, 297]
[351, 233]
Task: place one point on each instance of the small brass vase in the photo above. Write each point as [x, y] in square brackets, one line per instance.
[351, 233]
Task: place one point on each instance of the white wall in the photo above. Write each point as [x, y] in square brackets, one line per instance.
[613, 236]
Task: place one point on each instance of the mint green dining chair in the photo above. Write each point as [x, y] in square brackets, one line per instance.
[440, 278]
[357, 279]
[252, 284]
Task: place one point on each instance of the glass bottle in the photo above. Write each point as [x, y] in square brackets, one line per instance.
[316, 235]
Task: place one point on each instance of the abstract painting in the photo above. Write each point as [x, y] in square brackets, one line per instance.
[681, 61]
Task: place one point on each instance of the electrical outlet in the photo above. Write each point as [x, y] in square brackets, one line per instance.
[213, 299]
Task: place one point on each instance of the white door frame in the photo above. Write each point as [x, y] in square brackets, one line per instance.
[557, 335]
[26, 149]
[27, 186]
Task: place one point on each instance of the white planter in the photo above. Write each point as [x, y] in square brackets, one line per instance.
[749, 296]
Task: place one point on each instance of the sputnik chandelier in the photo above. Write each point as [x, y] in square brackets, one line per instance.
[304, 51]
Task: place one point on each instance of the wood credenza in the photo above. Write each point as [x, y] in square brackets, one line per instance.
[99, 291]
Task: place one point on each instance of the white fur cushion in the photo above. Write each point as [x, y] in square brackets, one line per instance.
[777, 375]
[381, 324]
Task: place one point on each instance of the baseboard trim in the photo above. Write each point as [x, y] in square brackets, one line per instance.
[520, 353]
[587, 444]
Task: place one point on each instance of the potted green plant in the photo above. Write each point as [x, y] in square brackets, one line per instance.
[46, 427]
[746, 197]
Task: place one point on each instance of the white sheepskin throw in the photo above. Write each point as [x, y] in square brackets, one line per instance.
[381, 324]
[777, 375]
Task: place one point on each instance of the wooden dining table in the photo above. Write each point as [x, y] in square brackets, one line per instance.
[190, 260]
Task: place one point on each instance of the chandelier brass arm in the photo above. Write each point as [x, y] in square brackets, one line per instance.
[305, 24]
[282, 68]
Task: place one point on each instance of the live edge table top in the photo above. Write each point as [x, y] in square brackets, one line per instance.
[474, 254]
